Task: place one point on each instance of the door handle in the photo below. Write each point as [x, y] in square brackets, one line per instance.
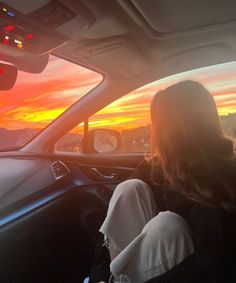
[102, 176]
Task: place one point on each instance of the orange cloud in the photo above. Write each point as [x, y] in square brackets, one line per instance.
[38, 99]
[133, 109]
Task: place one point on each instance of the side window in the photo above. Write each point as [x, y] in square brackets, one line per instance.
[72, 141]
[128, 115]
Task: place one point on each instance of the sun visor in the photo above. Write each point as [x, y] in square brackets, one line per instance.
[117, 55]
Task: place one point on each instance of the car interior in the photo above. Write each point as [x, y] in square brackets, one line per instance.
[52, 203]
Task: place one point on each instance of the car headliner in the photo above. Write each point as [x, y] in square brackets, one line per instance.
[132, 42]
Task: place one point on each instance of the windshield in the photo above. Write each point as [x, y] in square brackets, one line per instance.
[37, 99]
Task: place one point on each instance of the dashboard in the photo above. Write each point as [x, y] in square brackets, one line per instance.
[28, 182]
[50, 214]
[20, 177]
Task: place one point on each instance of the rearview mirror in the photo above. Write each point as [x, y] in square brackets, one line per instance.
[8, 75]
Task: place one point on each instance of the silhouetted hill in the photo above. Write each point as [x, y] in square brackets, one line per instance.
[133, 140]
[15, 138]
[136, 139]
[70, 142]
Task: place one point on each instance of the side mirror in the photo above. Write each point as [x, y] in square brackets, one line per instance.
[8, 75]
[102, 141]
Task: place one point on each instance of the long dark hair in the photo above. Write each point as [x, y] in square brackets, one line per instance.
[190, 147]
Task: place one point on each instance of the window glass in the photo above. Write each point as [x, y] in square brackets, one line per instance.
[130, 114]
[72, 141]
[37, 99]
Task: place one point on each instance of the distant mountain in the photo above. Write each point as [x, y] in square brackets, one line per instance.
[133, 140]
[15, 138]
[136, 139]
[69, 143]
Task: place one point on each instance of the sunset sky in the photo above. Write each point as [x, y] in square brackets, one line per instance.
[132, 110]
[38, 99]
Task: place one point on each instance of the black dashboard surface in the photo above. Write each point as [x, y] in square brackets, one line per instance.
[27, 182]
[21, 177]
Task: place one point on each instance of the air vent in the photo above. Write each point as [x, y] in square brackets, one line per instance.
[59, 169]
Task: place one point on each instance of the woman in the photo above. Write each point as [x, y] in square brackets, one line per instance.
[174, 220]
